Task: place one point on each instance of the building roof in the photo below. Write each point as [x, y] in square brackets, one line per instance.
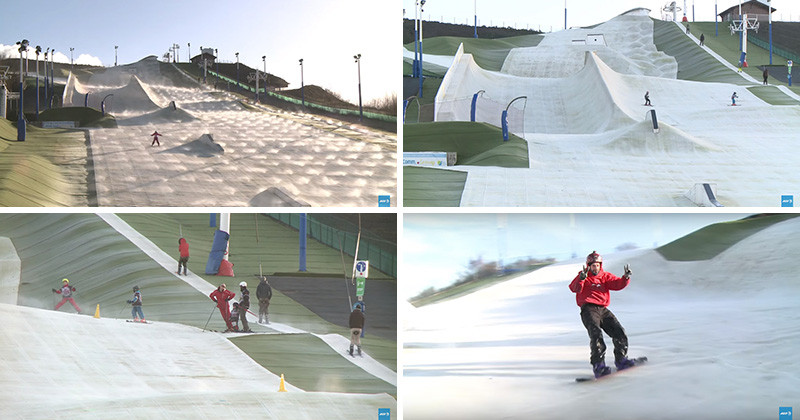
[736, 7]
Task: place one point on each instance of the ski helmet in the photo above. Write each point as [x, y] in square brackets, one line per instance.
[135, 288]
[65, 280]
[593, 258]
[242, 284]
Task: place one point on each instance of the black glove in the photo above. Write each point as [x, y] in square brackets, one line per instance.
[627, 271]
[55, 291]
[129, 301]
[584, 271]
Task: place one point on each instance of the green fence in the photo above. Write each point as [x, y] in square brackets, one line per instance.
[776, 50]
[370, 115]
[369, 249]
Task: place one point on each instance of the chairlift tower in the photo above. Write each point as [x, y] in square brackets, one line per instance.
[673, 8]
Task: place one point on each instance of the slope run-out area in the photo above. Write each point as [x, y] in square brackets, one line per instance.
[721, 335]
[109, 368]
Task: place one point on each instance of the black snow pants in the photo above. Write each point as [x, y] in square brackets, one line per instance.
[597, 319]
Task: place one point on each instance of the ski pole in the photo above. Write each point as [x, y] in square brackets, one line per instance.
[120, 311]
[209, 318]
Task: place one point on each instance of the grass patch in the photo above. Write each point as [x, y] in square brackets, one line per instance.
[50, 168]
[712, 240]
[452, 292]
[488, 53]
[772, 95]
[477, 144]
[431, 187]
[288, 354]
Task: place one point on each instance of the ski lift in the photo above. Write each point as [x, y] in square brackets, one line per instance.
[738, 25]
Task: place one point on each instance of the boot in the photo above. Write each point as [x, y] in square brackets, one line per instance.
[359, 350]
[600, 369]
[351, 350]
[624, 363]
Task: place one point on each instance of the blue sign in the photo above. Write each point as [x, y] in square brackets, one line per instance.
[361, 266]
[784, 413]
[787, 201]
[384, 201]
[386, 414]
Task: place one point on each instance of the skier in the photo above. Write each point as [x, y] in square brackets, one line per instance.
[591, 287]
[264, 294]
[356, 325]
[733, 99]
[234, 319]
[766, 75]
[647, 99]
[221, 296]
[244, 305]
[183, 248]
[136, 310]
[702, 40]
[66, 293]
[155, 138]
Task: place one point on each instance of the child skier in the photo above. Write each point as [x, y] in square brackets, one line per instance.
[647, 99]
[234, 319]
[155, 138]
[591, 287]
[356, 325]
[733, 99]
[183, 249]
[136, 311]
[66, 293]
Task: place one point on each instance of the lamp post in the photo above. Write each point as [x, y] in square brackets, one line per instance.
[237, 73]
[476, 18]
[23, 46]
[769, 11]
[115, 55]
[205, 64]
[421, 4]
[38, 51]
[189, 50]
[71, 62]
[302, 86]
[52, 79]
[47, 51]
[266, 79]
[360, 109]
[216, 61]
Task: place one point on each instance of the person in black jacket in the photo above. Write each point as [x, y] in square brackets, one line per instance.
[356, 324]
[264, 294]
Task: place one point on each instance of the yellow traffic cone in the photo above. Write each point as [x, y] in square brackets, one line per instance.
[97, 312]
[283, 385]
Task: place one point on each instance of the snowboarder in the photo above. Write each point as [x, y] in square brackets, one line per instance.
[591, 287]
[264, 294]
[766, 75]
[234, 319]
[136, 311]
[221, 296]
[66, 293]
[155, 138]
[356, 324]
[733, 99]
[647, 99]
[183, 248]
[702, 39]
[244, 305]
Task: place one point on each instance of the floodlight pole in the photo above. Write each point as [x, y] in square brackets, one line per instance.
[115, 55]
[38, 51]
[216, 61]
[421, 3]
[71, 61]
[266, 78]
[46, 81]
[302, 84]
[189, 46]
[23, 46]
[414, 69]
[256, 84]
[52, 79]
[238, 88]
[716, 22]
[360, 109]
[565, 14]
[476, 19]
[769, 11]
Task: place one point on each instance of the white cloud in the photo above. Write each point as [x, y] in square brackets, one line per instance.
[12, 51]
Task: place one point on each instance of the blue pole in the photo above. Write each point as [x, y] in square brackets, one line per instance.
[415, 64]
[420, 57]
[473, 106]
[21, 116]
[716, 23]
[504, 123]
[770, 39]
[212, 220]
[302, 229]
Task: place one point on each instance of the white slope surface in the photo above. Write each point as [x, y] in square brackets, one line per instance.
[721, 336]
[335, 341]
[591, 141]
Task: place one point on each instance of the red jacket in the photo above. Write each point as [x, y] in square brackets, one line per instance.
[221, 298]
[183, 247]
[595, 288]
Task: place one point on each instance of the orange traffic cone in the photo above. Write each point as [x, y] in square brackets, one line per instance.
[283, 385]
[97, 312]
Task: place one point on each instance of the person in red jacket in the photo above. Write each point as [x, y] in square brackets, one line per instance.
[591, 287]
[221, 296]
[183, 248]
[155, 139]
[66, 293]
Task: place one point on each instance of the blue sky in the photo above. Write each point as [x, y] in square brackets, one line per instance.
[549, 15]
[325, 33]
[435, 248]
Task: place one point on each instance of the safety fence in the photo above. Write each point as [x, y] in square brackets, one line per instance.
[369, 248]
[341, 111]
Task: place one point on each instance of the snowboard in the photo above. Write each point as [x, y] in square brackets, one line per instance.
[638, 362]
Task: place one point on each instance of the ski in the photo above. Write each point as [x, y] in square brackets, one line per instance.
[637, 362]
[138, 322]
